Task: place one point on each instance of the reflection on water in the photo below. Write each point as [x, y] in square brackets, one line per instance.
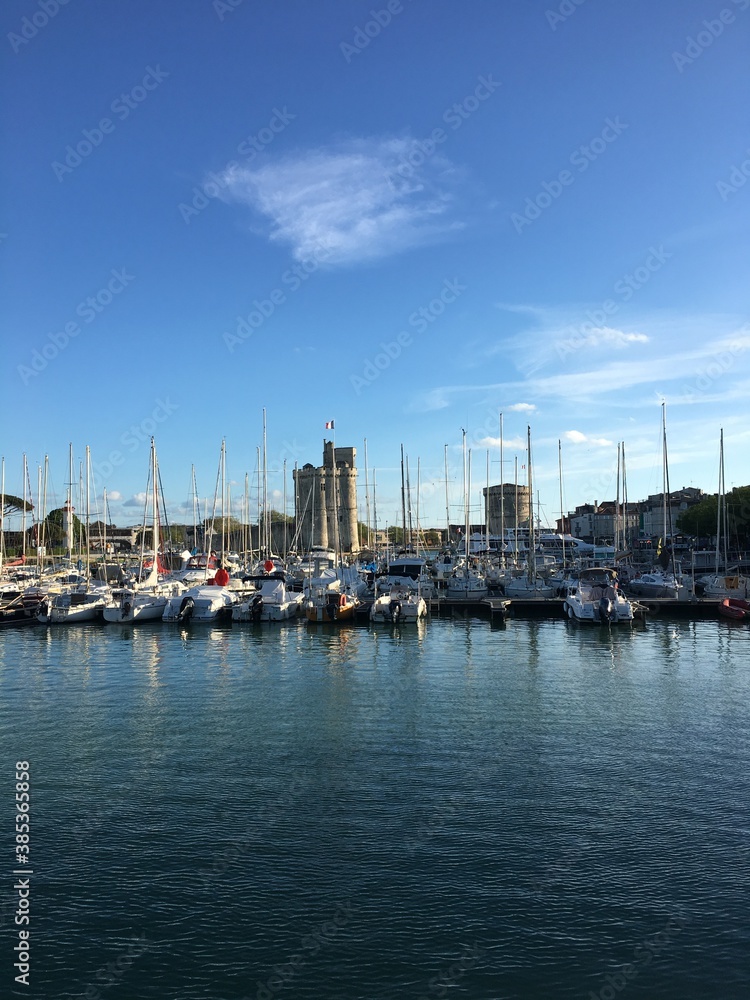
[553, 793]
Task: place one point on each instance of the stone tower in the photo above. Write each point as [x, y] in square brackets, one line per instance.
[505, 494]
[323, 493]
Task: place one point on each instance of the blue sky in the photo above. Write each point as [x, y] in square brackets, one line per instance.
[407, 217]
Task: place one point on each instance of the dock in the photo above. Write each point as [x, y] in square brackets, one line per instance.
[552, 607]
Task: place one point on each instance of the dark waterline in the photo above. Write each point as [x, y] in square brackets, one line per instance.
[530, 811]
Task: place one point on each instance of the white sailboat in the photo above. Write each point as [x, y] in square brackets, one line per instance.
[731, 584]
[466, 582]
[82, 602]
[145, 601]
[208, 602]
[661, 581]
[530, 586]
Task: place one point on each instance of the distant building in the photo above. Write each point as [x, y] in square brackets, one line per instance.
[597, 522]
[652, 511]
[325, 501]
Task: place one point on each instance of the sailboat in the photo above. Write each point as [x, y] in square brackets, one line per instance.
[79, 602]
[529, 586]
[661, 582]
[466, 583]
[732, 585]
[207, 602]
[145, 601]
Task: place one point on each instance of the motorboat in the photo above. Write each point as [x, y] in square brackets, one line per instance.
[399, 603]
[267, 599]
[597, 599]
[208, 603]
[330, 604]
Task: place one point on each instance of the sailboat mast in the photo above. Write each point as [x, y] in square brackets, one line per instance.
[88, 507]
[502, 495]
[562, 508]
[625, 540]
[664, 469]
[447, 505]
[487, 508]
[532, 533]
[223, 499]
[515, 510]
[417, 512]
[403, 497]
[23, 513]
[285, 526]
[466, 505]
[467, 500]
[721, 514]
[409, 540]
[154, 473]
[266, 512]
[617, 504]
[367, 500]
[2, 511]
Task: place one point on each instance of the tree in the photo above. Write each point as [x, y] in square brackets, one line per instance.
[15, 505]
[700, 519]
[53, 527]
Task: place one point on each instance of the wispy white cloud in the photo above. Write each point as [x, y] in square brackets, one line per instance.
[114, 496]
[359, 200]
[520, 408]
[665, 375]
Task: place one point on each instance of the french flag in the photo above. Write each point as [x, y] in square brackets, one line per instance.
[329, 425]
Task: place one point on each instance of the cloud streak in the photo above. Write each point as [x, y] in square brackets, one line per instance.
[352, 199]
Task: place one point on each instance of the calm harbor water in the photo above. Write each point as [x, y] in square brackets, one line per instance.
[528, 811]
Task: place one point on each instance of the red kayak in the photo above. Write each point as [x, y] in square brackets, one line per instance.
[735, 607]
